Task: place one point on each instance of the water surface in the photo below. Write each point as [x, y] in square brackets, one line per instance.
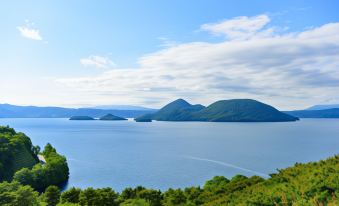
[160, 155]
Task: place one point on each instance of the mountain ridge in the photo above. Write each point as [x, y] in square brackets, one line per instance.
[14, 111]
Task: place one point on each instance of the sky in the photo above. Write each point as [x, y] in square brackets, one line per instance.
[151, 52]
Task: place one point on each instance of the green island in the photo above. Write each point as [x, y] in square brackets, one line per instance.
[234, 110]
[27, 182]
[111, 117]
[81, 118]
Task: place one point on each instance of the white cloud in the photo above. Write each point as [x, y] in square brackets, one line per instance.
[241, 27]
[98, 62]
[290, 70]
[29, 32]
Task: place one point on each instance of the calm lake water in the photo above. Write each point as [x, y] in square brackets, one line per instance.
[178, 154]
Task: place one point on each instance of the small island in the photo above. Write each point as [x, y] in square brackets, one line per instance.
[111, 117]
[143, 120]
[81, 118]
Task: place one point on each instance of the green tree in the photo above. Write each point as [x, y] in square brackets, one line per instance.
[14, 194]
[52, 195]
[24, 176]
[174, 197]
[72, 195]
[88, 197]
[106, 197]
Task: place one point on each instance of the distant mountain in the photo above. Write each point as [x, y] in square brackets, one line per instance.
[13, 111]
[111, 117]
[325, 113]
[325, 106]
[122, 107]
[81, 118]
[236, 110]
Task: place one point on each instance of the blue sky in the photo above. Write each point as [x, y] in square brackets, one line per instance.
[68, 53]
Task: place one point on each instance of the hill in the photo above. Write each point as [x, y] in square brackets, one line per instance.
[111, 117]
[236, 110]
[13, 111]
[323, 106]
[325, 113]
[17, 152]
[19, 161]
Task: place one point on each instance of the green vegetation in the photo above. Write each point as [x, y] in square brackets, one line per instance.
[54, 172]
[315, 183]
[19, 161]
[111, 117]
[236, 110]
[16, 152]
[81, 118]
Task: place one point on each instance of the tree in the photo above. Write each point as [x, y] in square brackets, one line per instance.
[24, 176]
[174, 197]
[106, 197]
[26, 196]
[14, 194]
[88, 197]
[52, 195]
[72, 195]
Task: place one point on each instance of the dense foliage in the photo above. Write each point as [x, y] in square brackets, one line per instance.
[16, 152]
[315, 183]
[19, 161]
[236, 110]
[53, 172]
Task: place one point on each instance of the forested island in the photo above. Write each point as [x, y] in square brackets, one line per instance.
[23, 179]
[111, 117]
[81, 118]
[235, 110]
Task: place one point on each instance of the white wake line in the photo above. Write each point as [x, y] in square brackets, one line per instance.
[227, 165]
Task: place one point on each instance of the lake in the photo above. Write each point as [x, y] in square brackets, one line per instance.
[161, 155]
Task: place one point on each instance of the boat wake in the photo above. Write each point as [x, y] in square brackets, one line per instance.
[227, 165]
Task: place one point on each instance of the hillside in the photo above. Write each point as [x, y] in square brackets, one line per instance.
[325, 113]
[111, 117]
[13, 111]
[17, 152]
[19, 161]
[236, 110]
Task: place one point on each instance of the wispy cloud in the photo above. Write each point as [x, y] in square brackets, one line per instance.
[286, 70]
[98, 62]
[28, 31]
[242, 27]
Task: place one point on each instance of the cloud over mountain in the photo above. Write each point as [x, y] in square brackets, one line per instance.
[254, 61]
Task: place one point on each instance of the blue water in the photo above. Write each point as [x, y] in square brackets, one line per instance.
[160, 155]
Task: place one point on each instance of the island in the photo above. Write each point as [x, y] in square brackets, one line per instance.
[234, 110]
[81, 118]
[143, 120]
[111, 117]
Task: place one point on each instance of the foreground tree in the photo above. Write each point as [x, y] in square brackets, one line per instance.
[52, 195]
